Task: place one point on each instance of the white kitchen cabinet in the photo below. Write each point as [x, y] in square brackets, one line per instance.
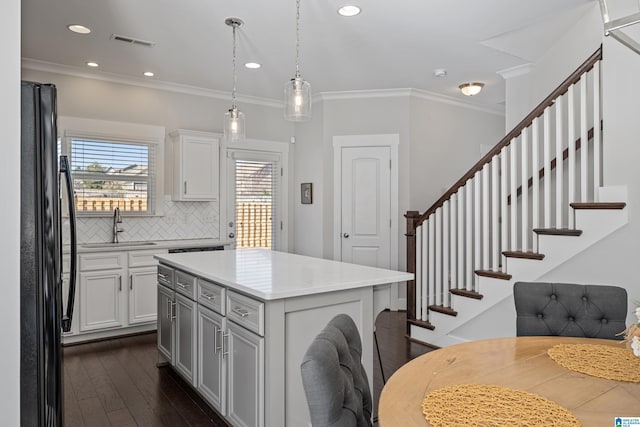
[244, 351]
[101, 300]
[212, 367]
[143, 306]
[166, 325]
[186, 328]
[196, 168]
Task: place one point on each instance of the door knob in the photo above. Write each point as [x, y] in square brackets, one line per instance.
[345, 235]
[231, 235]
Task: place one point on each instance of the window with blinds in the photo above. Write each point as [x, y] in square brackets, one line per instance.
[255, 203]
[109, 174]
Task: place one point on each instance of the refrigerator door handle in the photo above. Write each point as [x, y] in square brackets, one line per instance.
[67, 317]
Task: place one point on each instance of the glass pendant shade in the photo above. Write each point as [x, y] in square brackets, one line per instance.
[234, 129]
[297, 100]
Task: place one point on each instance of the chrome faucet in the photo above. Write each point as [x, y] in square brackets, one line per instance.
[117, 219]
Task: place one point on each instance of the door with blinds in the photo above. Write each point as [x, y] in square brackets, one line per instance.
[254, 202]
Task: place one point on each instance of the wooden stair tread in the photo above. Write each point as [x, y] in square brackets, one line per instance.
[444, 310]
[421, 323]
[598, 205]
[523, 255]
[493, 274]
[466, 293]
[557, 232]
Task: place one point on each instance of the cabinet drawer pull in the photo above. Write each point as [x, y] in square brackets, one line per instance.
[240, 312]
[208, 296]
[162, 276]
[182, 285]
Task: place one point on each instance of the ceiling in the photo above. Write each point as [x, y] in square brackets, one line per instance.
[389, 45]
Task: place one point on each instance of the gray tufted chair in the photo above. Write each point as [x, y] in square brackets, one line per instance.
[570, 310]
[334, 379]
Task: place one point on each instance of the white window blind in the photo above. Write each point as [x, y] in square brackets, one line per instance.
[256, 195]
[109, 174]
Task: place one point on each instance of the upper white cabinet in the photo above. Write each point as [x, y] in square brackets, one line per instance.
[196, 160]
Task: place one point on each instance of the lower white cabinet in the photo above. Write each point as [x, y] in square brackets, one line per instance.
[245, 370]
[186, 337]
[142, 295]
[101, 300]
[230, 369]
[166, 326]
[212, 367]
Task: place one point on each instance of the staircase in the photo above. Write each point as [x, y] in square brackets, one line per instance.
[529, 205]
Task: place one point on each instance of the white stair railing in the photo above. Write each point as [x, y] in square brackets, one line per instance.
[524, 183]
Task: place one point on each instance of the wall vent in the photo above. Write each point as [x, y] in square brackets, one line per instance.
[131, 40]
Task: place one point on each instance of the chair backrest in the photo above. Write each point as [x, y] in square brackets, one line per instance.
[570, 310]
[334, 379]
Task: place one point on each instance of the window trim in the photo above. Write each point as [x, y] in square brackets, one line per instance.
[119, 132]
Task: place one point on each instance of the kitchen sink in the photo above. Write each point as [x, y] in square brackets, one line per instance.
[115, 245]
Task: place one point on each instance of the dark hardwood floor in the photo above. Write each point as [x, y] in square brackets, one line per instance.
[116, 382]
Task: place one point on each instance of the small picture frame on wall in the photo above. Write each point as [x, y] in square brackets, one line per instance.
[306, 193]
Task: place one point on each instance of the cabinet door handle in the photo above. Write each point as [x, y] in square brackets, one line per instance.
[240, 312]
[221, 340]
[208, 296]
[120, 283]
[225, 352]
[185, 187]
[131, 282]
[169, 309]
[173, 310]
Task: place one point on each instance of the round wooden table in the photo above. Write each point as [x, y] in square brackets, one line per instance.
[520, 363]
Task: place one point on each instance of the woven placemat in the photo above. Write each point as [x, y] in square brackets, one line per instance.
[492, 405]
[602, 361]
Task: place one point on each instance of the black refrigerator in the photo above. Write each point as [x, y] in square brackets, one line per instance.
[44, 177]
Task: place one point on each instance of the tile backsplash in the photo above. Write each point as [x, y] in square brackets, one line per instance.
[180, 220]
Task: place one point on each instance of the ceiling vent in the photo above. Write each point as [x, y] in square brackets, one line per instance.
[131, 40]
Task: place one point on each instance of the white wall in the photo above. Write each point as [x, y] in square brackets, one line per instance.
[523, 93]
[10, 213]
[446, 141]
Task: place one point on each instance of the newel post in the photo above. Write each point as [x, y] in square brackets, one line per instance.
[412, 218]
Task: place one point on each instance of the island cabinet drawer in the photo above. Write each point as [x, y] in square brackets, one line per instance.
[165, 276]
[101, 261]
[211, 295]
[246, 312]
[185, 284]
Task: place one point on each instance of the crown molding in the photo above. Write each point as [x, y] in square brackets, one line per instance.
[50, 67]
[416, 93]
[518, 70]
[32, 64]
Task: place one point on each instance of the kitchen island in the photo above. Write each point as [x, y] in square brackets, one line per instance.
[242, 320]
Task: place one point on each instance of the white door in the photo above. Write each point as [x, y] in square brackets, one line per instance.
[366, 206]
[254, 202]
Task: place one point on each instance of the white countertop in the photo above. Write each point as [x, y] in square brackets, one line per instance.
[271, 275]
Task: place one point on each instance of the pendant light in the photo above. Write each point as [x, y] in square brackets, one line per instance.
[297, 92]
[234, 119]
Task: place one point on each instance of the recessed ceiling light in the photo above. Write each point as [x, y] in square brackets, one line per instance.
[349, 10]
[80, 29]
[92, 64]
[148, 74]
[252, 65]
